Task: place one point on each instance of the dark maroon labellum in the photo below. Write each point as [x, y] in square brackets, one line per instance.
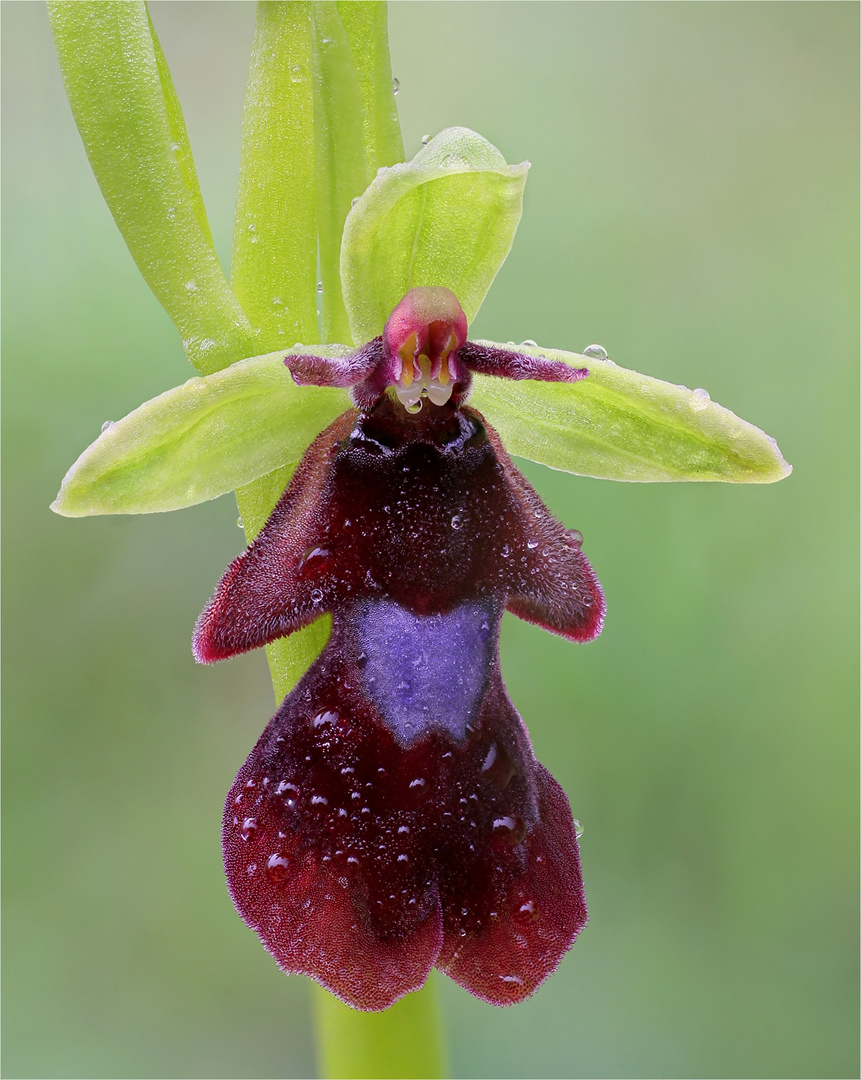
[393, 817]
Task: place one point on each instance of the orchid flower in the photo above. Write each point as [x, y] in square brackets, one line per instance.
[392, 816]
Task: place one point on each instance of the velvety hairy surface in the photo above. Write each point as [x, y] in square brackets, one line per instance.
[393, 815]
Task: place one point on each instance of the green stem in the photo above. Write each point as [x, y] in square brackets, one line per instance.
[403, 1042]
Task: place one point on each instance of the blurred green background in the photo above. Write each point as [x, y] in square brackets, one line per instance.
[692, 206]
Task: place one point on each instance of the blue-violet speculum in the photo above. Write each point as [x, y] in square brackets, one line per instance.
[392, 816]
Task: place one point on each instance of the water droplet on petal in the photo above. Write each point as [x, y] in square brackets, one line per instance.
[576, 537]
[239, 524]
[107, 425]
[425, 140]
[319, 286]
[278, 866]
[595, 352]
[456, 520]
[296, 73]
[578, 829]
[414, 407]
[249, 828]
[325, 718]
[511, 828]
[317, 552]
[396, 85]
[529, 344]
[317, 596]
[526, 912]
[515, 980]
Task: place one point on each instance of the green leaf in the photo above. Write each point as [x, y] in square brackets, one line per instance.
[620, 425]
[448, 217]
[274, 262]
[366, 23]
[127, 112]
[200, 440]
[341, 155]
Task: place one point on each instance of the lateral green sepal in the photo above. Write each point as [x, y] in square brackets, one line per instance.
[620, 425]
[200, 440]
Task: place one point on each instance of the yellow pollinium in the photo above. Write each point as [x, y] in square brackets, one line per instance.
[444, 374]
[406, 353]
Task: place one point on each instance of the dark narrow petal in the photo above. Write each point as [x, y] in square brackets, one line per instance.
[490, 360]
[345, 371]
[284, 580]
[537, 920]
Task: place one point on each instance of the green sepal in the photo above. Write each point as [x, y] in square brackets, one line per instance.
[131, 124]
[619, 425]
[448, 217]
[201, 440]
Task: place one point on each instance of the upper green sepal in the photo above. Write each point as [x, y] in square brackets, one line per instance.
[448, 217]
[620, 425]
[200, 440]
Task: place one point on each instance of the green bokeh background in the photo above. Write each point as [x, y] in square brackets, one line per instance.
[693, 207]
